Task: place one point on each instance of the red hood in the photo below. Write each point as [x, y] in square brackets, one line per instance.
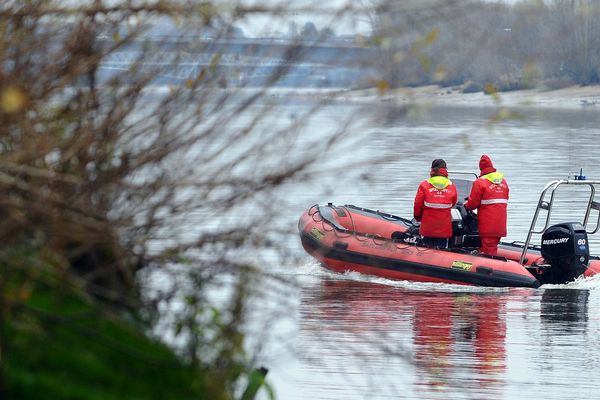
[485, 165]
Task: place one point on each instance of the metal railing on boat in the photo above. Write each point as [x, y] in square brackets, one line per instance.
[543, 204]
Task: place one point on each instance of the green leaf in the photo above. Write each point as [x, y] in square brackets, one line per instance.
[214, 62]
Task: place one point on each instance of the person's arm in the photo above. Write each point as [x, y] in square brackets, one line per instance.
[419, 204]
[474, 199]
[455, 196]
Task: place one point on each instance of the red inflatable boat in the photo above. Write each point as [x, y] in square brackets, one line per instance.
[350, 238]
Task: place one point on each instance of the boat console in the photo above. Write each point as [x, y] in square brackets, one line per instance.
[465, 233]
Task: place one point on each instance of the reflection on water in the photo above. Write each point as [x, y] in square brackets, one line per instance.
[360, 340]
[564, 311]
[458, 336]
[456, 339]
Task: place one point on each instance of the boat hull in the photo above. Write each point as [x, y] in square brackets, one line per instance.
[325, 236]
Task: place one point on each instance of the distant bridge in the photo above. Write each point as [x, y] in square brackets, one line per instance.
[333, 51]
[243, 60]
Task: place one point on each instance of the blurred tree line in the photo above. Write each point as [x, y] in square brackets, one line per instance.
[553, 43]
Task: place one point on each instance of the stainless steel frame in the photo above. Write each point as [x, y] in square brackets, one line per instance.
[547, 205]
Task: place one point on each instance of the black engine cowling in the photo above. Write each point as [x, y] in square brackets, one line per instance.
[565, 248]
[465, 232]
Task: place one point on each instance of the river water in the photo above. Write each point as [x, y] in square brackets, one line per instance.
[349, 336]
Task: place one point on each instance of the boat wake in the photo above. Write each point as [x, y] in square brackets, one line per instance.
[581, 283]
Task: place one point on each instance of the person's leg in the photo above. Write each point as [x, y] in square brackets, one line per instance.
[489, 245]
[442, 243]
[435, 242]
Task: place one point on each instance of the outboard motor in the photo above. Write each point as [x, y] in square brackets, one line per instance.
[565, 248]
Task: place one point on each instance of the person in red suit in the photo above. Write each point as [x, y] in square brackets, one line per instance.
[489, 195]
[434, 199]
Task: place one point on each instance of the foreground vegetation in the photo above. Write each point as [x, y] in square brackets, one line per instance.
[62, 348]
[59, 343]
[97, 186]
